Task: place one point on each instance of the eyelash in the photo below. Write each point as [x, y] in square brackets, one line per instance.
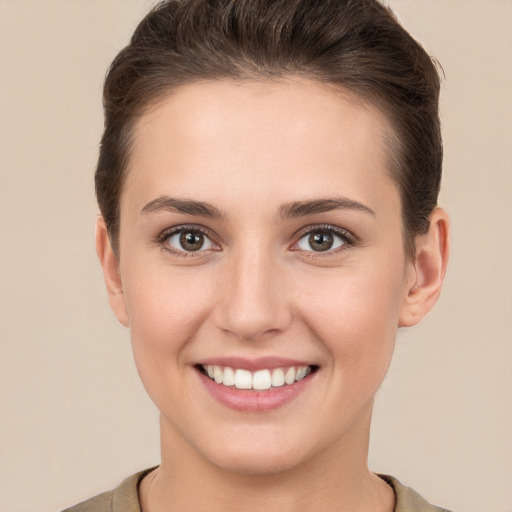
[162, 239]
[347, 238]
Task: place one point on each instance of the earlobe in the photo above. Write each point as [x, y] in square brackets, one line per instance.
[110, 265]
[429, 268]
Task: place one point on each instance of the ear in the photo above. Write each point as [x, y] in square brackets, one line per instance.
[110, 265]
[427, 270]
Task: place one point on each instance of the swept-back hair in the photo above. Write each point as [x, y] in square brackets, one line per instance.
[354, 44]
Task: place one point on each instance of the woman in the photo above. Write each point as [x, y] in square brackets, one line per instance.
[268, 182]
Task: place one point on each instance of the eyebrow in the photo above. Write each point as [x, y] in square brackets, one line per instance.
[303, 208]
[290, 210]
[186, 206]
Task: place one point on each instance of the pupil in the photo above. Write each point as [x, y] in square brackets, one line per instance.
[191, 241]
[321, 241]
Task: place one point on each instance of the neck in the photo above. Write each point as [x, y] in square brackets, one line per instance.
[335, 479]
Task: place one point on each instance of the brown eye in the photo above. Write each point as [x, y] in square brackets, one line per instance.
[188, 240]
[191, 241]
[323, 240]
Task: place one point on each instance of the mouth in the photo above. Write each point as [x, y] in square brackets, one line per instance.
[255, 386]
[261, 380]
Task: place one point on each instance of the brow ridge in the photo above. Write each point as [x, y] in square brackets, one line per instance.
[289, 210]
[186, 206]
[310, 207]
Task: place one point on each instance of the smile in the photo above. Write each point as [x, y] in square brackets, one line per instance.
[256, 385]
[261, 380]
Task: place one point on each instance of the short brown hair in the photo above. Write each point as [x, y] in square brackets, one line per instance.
[355, 44]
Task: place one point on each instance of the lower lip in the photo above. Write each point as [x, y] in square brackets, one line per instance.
[255, 401]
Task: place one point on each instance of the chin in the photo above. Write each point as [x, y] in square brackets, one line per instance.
[255, 462]
[255, 452]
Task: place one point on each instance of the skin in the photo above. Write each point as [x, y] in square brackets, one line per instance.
[259, 289]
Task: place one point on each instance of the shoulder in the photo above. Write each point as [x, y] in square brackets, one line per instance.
[123, 498]
[407, 499]
[100, 503]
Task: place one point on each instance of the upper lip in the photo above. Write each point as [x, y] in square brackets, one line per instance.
[260, 363]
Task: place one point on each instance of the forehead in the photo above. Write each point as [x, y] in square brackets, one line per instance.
[298, 135]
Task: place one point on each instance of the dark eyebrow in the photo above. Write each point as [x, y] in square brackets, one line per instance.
[303, 208]
[287, 210]
[186, 206]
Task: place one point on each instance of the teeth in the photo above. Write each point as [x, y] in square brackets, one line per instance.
[277, 378]
[289, 376]
[301, 373]
[229, 377]
[243, 379]
[218, 374]
[260, 380]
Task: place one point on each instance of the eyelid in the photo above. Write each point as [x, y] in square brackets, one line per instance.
[350, 240]
[164, 235]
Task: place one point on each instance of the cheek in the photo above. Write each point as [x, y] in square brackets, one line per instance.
[356, 318]
[165, 309]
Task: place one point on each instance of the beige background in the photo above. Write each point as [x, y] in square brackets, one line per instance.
[74, 417]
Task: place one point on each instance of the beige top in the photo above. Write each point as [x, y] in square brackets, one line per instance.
[125, 498]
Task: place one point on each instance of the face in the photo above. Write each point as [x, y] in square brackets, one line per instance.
[261, 243]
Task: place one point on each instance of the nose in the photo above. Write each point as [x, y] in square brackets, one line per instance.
[253, 300]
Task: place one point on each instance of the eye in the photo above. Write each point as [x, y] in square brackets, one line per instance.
[323, 240]
[188, 240]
